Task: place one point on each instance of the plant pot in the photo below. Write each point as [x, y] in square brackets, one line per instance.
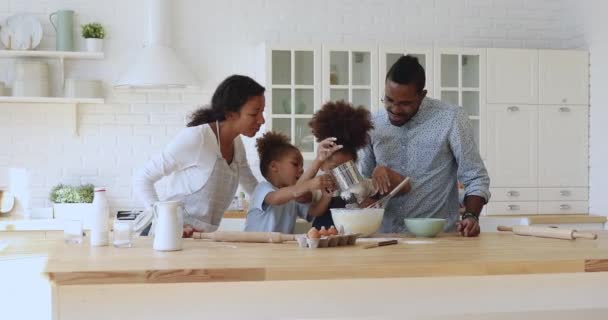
[74, 211]
[94, 45]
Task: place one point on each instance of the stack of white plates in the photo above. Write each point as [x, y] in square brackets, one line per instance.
[31, 79]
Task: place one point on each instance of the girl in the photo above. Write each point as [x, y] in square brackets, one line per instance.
[350, 126]
[206, 161]
[275, 203]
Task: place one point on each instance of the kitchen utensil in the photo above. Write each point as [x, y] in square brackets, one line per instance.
[346, 175]
[240, 236]
[364, 221]
[424, 227]
[168, 226]
[382, 202]
[64, 28]
[381, 244]
[21, 32]
[547, 232]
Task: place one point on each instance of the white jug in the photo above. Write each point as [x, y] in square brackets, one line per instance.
[168, 226]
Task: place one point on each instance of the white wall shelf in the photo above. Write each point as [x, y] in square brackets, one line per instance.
[69, 102]
[51, 54]
[58, 100]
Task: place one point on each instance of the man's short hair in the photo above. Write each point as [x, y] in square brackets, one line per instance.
[407, 70]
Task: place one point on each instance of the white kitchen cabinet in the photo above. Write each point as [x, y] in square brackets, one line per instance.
[387, 56]
[351, 74]
[563, 194]
[512, 76]
[563, 207]
[513, 145]
[563, 146]
[292, 77]
[564, 77]
[514, 194]
[460, 79]
[512, 208]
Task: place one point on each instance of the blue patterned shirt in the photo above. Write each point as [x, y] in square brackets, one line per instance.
[435, 148]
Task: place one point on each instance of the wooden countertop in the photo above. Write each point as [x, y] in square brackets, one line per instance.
[204, 261]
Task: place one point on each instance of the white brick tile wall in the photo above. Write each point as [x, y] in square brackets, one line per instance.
[117, 137]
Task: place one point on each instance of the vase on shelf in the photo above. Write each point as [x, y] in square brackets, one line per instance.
[94, 44]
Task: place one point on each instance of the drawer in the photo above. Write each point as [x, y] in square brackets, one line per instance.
[567, 194]
[514, 194]
[512, 207]
[563, 207]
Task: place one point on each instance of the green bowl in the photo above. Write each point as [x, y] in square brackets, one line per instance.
[424, 227]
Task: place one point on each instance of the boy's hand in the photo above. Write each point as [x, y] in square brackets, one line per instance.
[322, 182]
[326, 148]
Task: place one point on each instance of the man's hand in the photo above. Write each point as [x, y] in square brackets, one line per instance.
[381, 179]
[469, 227]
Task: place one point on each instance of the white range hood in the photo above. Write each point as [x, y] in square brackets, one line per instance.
[157, 65]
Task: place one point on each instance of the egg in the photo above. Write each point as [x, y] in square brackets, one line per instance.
[332, 231]
[323, 232]
[313, 233]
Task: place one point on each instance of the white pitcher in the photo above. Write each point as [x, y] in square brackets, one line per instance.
[168, 226]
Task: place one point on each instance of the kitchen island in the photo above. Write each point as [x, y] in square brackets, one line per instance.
[445, 276]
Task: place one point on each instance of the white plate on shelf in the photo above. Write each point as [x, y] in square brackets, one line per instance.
[21, 32]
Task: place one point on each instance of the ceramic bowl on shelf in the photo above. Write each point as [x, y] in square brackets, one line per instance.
[75, 88]
[26, 70]
[31, 88]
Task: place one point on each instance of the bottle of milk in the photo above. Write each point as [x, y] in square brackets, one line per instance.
[99, 221]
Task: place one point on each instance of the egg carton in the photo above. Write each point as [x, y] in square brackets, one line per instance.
[327, 241]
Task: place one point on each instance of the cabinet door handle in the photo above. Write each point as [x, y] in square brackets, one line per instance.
[513, 108]
[513, 193]
[564, 109]
[512, 207]
[564, 206]
[564, 193]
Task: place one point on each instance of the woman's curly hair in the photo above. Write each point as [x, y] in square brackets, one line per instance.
[272, 146]
[348, 124]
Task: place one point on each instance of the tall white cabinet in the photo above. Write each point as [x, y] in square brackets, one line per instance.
[351, 74]
[538, 122]
[292, 77]
[460, 79]
[387, 56]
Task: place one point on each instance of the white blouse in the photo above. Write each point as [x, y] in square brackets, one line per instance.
[187, 163]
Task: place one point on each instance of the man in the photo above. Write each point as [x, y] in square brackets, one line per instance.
[432, 143]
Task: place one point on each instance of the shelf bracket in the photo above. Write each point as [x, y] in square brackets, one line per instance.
[61, 75]
[74, 117]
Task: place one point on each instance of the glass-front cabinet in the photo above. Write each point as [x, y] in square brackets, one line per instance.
[351, 74]
[460, 80]
[389, 55]
[293, 86]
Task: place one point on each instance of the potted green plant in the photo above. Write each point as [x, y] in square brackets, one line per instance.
[72, 202]
[93, 33]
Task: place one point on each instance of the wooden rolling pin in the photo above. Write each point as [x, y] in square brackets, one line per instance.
[239, 236]
[544, 232]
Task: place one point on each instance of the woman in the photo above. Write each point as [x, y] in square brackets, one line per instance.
[205, 162]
